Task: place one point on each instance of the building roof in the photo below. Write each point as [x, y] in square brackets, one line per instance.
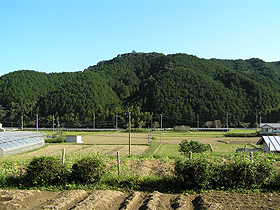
[272, 142]
[272, 125]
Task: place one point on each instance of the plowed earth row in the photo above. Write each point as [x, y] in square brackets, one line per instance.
[106, 199]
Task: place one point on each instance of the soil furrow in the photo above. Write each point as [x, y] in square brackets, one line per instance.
[133, 201]
[65, 200]
[115, 200]
[182, 202]
[158, 200]
[102, 199]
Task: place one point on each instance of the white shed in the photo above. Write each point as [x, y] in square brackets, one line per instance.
[74, 139]
[270, 143]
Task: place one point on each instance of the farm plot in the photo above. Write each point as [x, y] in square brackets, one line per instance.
[56, 150]
[115, 138]
[108, 199]
[112, 149]
[211, 139]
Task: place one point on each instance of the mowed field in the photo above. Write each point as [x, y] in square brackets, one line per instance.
[108, 143]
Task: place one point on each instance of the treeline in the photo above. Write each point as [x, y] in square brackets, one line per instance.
[185, 89]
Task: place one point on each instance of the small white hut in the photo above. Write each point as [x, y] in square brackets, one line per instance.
[74, 139]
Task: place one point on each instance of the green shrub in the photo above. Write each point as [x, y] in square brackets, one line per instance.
[193, 146]
[228, 134]
[194, 174]
[88, 170]
[182, 128]
[238, 173]
[55, 140]
[136, 130]
[45, 171]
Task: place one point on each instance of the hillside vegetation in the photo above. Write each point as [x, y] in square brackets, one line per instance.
[183, 88]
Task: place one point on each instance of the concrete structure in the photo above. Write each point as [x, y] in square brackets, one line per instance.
[74, 139]
[270, 143]
[270, 128]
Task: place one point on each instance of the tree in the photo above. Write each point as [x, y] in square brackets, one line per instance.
[193, 146]
[208, 124]
[218, 123]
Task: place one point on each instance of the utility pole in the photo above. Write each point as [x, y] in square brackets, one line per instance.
[151, 121]
[227, 121]
[256, 120]
[21, 122]
[148, 135]
[93, 122]
[53, 124]
[161, 128]
[116, 121]
[197, 121]
[37, 125]
[129, 136]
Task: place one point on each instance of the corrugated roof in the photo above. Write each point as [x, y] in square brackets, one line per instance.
[273, 125]
[271, 141]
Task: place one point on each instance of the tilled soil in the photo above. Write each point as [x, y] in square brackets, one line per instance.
[107, 199]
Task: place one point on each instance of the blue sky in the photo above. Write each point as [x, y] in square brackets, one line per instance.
[70, 35]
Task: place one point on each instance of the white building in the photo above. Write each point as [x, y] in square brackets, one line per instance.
[74, 139]
[270, 128]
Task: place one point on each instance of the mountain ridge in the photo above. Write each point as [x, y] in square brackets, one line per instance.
[179, 86]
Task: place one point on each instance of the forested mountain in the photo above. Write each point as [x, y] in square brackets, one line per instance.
[183, 88]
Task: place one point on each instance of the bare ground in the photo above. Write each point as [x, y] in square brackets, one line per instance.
[107, 199]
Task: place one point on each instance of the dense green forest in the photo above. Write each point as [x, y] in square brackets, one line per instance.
[185, 89]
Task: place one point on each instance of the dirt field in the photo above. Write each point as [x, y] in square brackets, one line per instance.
[115, 138]
[101, 199]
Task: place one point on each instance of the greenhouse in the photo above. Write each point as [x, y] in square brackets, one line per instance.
[17, 142]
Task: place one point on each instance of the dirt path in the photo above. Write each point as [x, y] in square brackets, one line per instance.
[113, 200]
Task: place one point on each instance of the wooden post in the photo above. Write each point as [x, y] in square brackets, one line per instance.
[118, 160]
[190, 155]
[160, 128]
[245, 143]
[211, 148]
[129, 137]
[63, 155]
[251, 156]
[269, 148]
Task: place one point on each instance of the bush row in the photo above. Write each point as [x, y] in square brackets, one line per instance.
[232, 172]
[241, 134]
[239, 173]
[44, 171]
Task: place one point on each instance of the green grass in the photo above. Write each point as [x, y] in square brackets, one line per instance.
[153, 146]
[243, 131]
[172, 149]
[168, 149]
[204, 134]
